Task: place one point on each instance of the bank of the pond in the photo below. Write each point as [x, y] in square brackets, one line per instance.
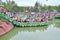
[8, 35]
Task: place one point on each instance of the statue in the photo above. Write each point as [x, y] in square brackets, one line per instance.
[26, 10]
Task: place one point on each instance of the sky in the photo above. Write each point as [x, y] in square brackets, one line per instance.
[32, 2]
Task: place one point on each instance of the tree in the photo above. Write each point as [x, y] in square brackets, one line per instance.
[0, 2]
[58, 8]
[9, 5]
[36, 7]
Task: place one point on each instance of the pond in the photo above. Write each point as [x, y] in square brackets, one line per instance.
[47, 33]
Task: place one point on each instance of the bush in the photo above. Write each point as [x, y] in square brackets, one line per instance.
[57, 17]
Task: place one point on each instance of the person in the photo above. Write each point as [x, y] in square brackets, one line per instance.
[2, 9]
[40, 19]
[15, 18]
[18, 19]
[49, 15]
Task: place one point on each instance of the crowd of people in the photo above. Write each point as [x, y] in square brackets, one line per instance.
[32, 17]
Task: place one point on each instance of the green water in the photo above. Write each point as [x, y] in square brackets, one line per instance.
[51, 32]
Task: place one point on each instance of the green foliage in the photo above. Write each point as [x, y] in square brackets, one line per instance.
[58, 8]
[12, 6]
[32, 9]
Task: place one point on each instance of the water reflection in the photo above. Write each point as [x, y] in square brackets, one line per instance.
[57, 23]
[50, 33]
[33, 29]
